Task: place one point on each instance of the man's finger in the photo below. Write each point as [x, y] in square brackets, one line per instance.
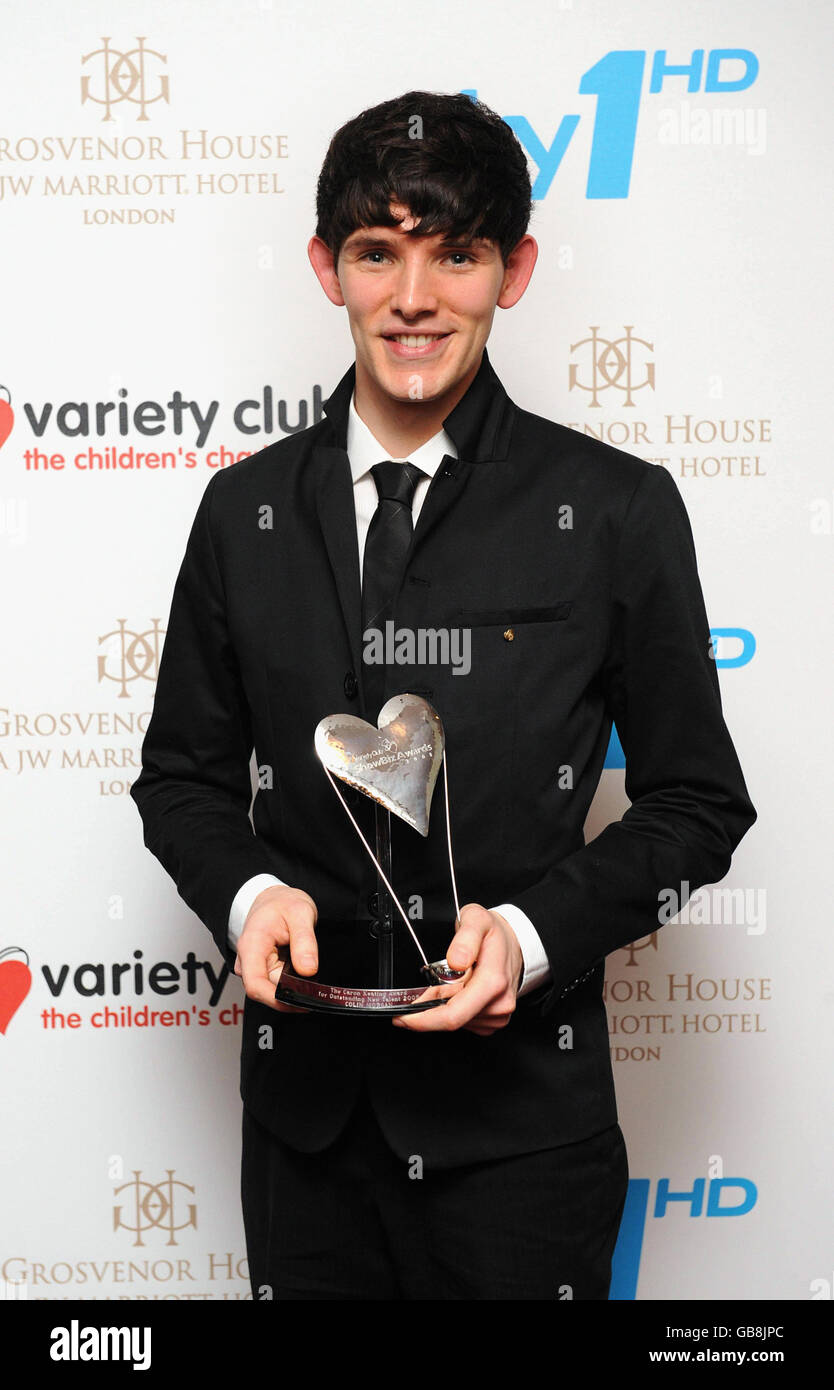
[475, 922]
[259, 956]
[275, 976]
[304, 951]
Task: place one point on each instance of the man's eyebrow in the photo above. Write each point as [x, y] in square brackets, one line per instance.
[358, 241]
[465, 241]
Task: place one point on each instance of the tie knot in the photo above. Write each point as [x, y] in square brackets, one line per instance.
[396, 482]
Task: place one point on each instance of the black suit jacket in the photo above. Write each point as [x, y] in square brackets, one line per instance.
[264, 640]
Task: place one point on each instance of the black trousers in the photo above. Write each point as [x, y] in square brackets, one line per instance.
[357, 1222]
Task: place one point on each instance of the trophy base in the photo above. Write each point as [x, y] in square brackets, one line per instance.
[305, 993]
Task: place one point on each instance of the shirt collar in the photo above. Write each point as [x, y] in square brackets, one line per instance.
[364, 449]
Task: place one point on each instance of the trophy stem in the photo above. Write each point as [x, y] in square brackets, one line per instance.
[385, 939]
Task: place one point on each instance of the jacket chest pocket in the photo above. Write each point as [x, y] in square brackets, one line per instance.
[508, 638]
[516, 653]
[514, 617]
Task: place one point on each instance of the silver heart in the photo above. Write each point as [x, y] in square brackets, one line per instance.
[396, 764]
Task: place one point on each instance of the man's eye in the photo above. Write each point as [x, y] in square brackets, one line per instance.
[465, 254]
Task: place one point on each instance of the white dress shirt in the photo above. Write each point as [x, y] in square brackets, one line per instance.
[363, 452]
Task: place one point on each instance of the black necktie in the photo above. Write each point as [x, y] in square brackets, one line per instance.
[386, 546]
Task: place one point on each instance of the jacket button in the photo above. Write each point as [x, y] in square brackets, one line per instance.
[351, 685]
[373, 904]
[509, 635]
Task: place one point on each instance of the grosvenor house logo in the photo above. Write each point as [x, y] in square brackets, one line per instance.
[658, 1008]
[144, 1206]
[130, 656]
[610, 366]
[148, 1248]
[616, 370]
[111, 78]
[125, 174]
[42, 741]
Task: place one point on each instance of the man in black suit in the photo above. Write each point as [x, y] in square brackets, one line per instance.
[471, 1151]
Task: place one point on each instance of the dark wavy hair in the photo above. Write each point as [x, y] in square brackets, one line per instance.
[464, 175]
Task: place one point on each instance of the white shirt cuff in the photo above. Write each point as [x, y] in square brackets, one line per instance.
[243, 901]
[536, 964]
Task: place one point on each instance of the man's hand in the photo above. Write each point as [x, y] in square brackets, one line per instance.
[486, 1001]
[280, 916]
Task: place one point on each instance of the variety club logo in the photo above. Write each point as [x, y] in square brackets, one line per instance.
[15, 983]
[119, 991]
[102, 422]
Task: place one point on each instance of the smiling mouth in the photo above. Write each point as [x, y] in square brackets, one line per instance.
[414, 340]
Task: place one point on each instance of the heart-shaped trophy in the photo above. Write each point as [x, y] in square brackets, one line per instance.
[396, 764]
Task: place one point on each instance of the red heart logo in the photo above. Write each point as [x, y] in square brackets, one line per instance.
[6, 417]
[15, 983]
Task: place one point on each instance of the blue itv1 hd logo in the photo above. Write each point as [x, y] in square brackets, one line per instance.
[724, 1197]
[617, 82]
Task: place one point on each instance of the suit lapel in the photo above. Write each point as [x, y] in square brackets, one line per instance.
[445, 490]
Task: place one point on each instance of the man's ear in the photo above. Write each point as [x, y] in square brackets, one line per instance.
[321, 259]
[517, 272]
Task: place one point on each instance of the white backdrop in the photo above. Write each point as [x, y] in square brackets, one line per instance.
[167, 259]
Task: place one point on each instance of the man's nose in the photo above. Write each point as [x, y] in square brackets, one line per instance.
[414, 292]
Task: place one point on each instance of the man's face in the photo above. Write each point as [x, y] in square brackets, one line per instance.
[420, 308]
